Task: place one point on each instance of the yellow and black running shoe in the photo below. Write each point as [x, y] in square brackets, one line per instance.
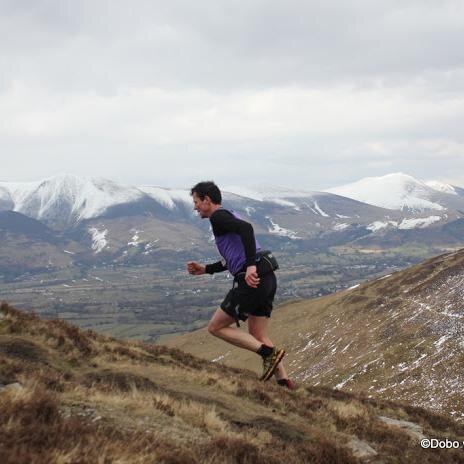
[271, 362]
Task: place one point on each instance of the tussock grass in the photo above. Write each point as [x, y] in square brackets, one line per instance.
[349, 411]
[86, 398]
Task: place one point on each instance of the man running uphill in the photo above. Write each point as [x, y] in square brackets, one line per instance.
[252, 295]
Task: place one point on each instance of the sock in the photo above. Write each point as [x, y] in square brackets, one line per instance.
[285, 383]
[265, 350]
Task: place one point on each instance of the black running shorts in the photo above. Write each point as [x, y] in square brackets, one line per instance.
[245, 301]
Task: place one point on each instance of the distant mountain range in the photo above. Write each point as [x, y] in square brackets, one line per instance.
[66, 200]
[100, 220]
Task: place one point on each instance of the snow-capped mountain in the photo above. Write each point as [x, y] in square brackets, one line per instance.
[399, 191]
[67, 199]
[101, 214]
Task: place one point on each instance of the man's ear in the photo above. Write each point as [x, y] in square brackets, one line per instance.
[208, 199]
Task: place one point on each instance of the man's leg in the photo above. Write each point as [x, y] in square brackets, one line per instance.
[257, 327]
[220, 326]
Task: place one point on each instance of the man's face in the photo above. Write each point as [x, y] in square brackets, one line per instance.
[202, 207]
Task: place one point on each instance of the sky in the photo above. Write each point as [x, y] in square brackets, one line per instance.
[305, 94]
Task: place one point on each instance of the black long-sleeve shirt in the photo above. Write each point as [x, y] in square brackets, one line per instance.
[235, 240]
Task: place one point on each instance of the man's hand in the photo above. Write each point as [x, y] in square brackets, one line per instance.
[195, 268]
[251, 277]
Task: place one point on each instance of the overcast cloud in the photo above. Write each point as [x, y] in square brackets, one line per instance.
[310, 94]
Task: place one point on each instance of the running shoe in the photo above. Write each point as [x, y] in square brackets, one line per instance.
[271, 362]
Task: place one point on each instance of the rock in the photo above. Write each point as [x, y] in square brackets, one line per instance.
[414, 430]
[11, 387]
[361, 449]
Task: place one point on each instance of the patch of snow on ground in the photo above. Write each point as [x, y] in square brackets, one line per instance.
[442, 340]
[135, 239]
[344, 382]
[342, 226]
[99, 241]
[280, 202]
[419, 223]
[149, 246]
[219, 358]
[276, 229]
[310, 344]
[319, 210]
[346, 347]
[379, 225]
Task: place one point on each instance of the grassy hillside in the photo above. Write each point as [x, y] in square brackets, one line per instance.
[397, 337]
[69, 396]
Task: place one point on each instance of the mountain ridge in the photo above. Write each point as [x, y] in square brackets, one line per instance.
[72, 198]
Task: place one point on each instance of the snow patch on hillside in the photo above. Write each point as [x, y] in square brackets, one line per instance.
[379, 225]
[135, 239]
[276, 229]
[418, 223]
[99, 241]
[250, 210]
[319, 210]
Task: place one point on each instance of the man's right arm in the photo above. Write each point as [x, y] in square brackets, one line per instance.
[195, 268]
[218, 266]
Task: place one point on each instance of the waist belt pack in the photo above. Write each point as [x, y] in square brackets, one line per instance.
[266, 262]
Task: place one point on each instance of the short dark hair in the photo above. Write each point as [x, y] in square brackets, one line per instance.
[202, 189]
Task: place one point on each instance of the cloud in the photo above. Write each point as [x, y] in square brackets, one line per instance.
[227, 45]
[299, 92]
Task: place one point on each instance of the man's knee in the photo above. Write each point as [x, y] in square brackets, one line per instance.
[213, 328]
[258, 335]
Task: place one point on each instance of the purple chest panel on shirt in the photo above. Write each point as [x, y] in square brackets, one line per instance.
[230, 247]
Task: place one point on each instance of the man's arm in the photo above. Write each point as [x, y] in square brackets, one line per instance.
[218, 266]
[195, 268]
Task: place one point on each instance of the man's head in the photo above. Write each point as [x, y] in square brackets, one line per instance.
[207, 198]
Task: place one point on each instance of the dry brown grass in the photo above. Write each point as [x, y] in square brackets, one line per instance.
[86, 398]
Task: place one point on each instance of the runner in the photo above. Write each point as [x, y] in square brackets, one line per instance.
[252, 295]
